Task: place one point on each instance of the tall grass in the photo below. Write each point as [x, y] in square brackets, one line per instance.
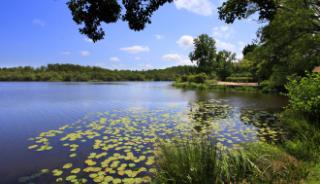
[203, 162]
[200, 161]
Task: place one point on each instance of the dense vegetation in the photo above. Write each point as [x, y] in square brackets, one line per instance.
[287, 45]
[295, 159]
[69, 72]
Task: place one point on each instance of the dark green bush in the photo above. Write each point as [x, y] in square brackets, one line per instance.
[304, 96]
[267, 86]
[198, 78]
[184, 78]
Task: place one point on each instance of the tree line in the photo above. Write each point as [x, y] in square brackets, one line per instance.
[71, 72]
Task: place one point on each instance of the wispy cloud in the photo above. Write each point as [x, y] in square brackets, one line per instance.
[179, 59]
[222, 32]
[185, 41]
[136, 49]
[85, 53]
[158, 36]
[236, 48]
[39, 22]
[200, 7]
[114, 59]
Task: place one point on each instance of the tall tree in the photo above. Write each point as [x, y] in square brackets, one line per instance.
[290, 43]
[224, 61]
[204, 53]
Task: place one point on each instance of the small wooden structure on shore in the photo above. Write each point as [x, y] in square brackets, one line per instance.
[238, 84]
[316, 69]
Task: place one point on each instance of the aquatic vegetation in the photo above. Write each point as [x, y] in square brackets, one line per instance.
[67, 166]
[119, 146]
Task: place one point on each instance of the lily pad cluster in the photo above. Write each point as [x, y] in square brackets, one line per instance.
[119, 146]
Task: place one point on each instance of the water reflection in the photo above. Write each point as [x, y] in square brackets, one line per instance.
[27, 109]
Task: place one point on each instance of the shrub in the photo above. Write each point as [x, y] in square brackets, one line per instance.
[184, 78]
[198, 78]
[267, 86]
[304, 96]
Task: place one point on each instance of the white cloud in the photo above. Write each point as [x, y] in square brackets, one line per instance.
[201, 7]
[180, 60]
[225, 45]
[85, 53]
[38, 22]
[221, 45]
[136, 49]
[222, 32]
[114, 59]
[185, 41]
[158, 36]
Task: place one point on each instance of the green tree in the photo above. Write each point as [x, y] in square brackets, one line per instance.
[290, 43]
[224, 61]
[235, 9]
[204, 53]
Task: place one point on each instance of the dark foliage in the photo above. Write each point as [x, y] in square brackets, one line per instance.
[70, 72]
[235, 9]
[91, 13]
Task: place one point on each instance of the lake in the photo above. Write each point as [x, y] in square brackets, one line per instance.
[46, 126]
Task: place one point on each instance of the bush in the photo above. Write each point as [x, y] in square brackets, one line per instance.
[198, 78]
[183, 78]
[304, 96]
[267, 86]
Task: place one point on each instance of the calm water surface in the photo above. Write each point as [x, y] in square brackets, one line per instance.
[27, 109]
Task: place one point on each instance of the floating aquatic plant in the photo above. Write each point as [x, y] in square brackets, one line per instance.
[118, 146]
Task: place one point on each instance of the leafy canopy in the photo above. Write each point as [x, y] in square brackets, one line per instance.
[204, 53]
[210, 61]
[91, 13]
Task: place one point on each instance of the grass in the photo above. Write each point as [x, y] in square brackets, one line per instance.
[201, 161]
[211, 84]
[304, 137]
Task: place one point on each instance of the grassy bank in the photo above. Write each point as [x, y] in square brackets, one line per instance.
[296, 159]
[212, 85]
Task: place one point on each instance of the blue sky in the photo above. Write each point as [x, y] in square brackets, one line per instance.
[36, 33]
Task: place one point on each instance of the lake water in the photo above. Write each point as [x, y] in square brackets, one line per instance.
[154, 109]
